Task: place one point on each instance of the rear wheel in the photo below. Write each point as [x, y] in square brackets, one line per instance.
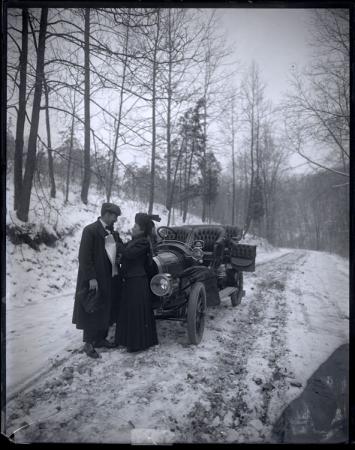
[196, 313]
[236, 297]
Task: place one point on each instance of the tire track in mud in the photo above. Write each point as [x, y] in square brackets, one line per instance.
[224, 413]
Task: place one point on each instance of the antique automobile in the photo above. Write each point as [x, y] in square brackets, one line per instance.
[195, 266]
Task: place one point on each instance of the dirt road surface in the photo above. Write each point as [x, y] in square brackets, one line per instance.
[230, 388]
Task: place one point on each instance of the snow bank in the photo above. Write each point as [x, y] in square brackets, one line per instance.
[34, 276]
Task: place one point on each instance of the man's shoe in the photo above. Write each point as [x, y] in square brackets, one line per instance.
[105, 343]
[90, 351]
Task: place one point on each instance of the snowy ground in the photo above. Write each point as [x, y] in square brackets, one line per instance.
[253, 361]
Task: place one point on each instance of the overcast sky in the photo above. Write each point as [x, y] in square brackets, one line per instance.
[275, 38]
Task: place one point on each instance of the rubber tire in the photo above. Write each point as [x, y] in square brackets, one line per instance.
[194, 334]
[236, 297]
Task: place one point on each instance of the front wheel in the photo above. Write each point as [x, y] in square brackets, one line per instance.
[236, 297]
[196, 313]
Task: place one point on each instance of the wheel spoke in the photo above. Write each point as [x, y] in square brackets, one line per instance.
[199, 313]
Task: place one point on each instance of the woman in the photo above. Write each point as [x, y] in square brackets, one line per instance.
[136, 323]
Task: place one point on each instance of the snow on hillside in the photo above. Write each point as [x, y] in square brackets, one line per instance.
[51, 271]
[59, 218]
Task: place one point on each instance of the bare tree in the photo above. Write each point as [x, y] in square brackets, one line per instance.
[70, 151]
[154, 80]
[179, 73]
[49, 141]
[214, 77]
[317, 106]
[233, 140]
[87, 172]
[21, 114]
[120, 111]
[272, 160]
[24, 203]
[253, 111]
[230, 123]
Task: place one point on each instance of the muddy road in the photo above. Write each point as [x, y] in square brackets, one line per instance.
[230, 388]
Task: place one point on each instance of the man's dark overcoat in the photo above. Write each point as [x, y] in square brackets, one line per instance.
[94, 263]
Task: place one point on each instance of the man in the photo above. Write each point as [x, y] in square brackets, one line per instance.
[98, 270]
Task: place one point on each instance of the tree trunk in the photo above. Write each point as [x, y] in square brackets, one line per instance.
[187, 190]
[204, 161]
[168, 124]
[87, 173]
[317, 232]
[174, 182]
[117, 133]
[169, 216]
[257, 147]
[152, 172]
[20, 125]
[70, 156]
[233, 186]
[245, 189]
[49, 141]
[209, 192]
[251, 188]
[180, 190]
[258, 164]
[233, 168]
[24, 203]
[184, 183]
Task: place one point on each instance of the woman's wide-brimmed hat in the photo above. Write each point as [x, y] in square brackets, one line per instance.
[145, 221]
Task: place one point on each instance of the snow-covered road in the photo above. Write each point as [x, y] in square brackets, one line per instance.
[253, 361]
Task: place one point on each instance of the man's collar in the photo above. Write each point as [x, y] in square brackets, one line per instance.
[104, 224]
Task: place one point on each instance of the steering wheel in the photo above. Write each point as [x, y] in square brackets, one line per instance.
[163, 232]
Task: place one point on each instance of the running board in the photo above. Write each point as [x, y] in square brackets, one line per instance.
[228, 291]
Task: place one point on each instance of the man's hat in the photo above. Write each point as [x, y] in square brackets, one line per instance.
[110, 207]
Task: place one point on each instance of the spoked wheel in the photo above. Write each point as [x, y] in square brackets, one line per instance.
[236, 297]
[196, 313]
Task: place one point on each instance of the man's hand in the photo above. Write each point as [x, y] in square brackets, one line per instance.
[93, 284]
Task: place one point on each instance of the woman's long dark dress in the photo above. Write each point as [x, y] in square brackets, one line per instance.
[136, 328]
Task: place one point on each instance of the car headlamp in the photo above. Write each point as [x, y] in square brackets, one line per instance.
[161, 284]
